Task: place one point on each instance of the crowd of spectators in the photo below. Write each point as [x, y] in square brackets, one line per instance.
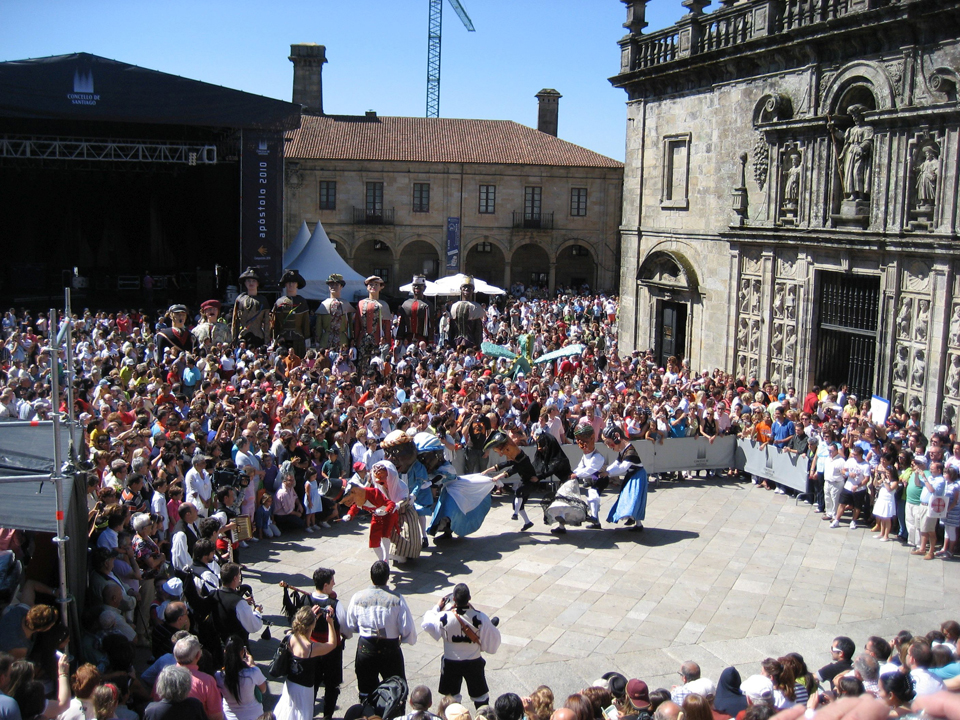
[190, 457]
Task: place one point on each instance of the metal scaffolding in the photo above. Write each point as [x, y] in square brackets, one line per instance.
[57, 148]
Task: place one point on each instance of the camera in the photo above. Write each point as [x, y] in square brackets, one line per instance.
[232, 478]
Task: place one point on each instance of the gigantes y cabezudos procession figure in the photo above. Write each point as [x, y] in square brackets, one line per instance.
[291, 315]
[415, 317]
[212, 328]
[467, 317]
[372, 323]
[176, 336]
[251, 322]
[334, 317]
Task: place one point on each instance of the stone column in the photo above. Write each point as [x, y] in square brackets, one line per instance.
[506, 273]
[552, 278]
[395, 280]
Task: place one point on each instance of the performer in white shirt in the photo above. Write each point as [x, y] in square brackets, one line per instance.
[465, 632]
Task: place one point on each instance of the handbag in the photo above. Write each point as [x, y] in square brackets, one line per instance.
[280, 665]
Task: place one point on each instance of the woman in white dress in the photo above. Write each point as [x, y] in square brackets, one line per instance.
[238, 681]
[296, 701]
[885, 508]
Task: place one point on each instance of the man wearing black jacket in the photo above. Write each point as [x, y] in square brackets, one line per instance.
[234, 614]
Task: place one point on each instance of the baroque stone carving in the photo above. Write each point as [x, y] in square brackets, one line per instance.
[790, 179]
[927, 171]
[787, 264]
[791, 302]
[761, 160]
[916, 276]
[745, 287]
[955, 326]
[751, 261]
[755, 336]
[779, 300]
[789, 342]
[755, 298]
[742, 333]
[856, 155]
[776, 342]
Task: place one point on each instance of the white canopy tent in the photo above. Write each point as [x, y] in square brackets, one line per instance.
[450, 285]
[408, 288]
[316, 261]
[297, 246]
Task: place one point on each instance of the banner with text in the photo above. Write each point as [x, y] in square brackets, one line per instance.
[453, 243]
[766, 461]
[261, 188]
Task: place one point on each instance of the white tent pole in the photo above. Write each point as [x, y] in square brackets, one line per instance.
[61, 537]
[68, 374]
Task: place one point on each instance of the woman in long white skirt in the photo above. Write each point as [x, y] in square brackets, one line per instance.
[296, 701]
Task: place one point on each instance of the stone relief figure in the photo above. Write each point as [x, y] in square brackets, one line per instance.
[741, 366]
[755, 298]
[792, 302]
[898, 398]
[744, 295]
[949, 415]
[923, 317]
[855, 158]
[777, 340]
[919, 368]
[742, 332]
[789, 342]
[915, 404]
[903, 317]
[755, 336]
[955, 326]
[791, 181]
[778, 300]
[775, 375]
[927, 172]
[953, 376]
[900, 365]
[754, 367]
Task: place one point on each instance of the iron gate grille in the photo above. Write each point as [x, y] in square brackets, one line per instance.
[847, 337]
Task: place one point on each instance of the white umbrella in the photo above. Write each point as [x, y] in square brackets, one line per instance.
[409, 287]
[451, 286]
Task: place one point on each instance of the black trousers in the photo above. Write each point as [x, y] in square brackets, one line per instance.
[454, 672]
[818, 498]
[377, 659]
[329, 673]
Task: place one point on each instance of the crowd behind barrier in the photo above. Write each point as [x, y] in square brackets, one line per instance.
[196, 446]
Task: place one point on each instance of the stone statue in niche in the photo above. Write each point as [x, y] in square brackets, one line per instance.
[741, 366]
[953, 376]
[777, 340]
[915, 404]
[898, 398]
[793, 168]
[744, 295]
[919, 368]
[778, 300]
[949, 415]
[955, 326]
[903, 317]
[927, 172]
[856, 155]
[900, 365]
[742, 333]
[755, 336]
[755, 298]
[923, 317]
[754, 367]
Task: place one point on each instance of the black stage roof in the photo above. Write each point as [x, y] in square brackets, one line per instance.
[85, 87]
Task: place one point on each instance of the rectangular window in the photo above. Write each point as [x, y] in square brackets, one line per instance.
[578, 202]
[488, 199]
[328, 194]
[532, 200]
[676, 166]
[374, 204]
[421, 197]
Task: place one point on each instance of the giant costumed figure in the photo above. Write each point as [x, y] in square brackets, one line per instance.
[399, 448]
[251, 321]
[176, 336]
[334, 317]
[291, 315]
[416, 321]
[467, 317]
[372, 324]
[212, 328]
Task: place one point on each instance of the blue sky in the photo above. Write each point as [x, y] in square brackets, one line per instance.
[377, 51]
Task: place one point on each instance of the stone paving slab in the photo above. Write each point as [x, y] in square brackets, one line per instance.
[724, 574]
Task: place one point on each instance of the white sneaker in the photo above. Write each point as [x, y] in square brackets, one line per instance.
[253, 539]
[835, 524]
[311, 529]
[325, 524]
[853, 524]
[779, 491]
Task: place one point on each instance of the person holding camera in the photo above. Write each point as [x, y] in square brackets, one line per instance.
[465, 632]
[234, 612]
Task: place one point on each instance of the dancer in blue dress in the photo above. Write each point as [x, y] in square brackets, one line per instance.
[462, 502]
[631, 503]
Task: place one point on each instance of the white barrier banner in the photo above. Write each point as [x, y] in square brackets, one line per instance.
[769, 462]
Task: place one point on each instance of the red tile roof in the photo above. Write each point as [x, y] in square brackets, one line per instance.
[412, 139]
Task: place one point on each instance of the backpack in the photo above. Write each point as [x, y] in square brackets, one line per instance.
[388, 700]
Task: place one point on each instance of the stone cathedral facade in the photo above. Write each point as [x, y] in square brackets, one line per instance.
[791, 194]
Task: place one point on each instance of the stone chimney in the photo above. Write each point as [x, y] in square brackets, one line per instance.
[548, 111]
[308, 60]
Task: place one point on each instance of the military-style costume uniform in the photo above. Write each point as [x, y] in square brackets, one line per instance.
[290, 316]
[215, 330]
[415, 318]
[371, 326]
[251, 321]
[335, 317]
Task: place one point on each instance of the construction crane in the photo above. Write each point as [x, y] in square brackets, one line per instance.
[433, 50]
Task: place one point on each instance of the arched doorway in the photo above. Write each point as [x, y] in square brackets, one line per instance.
[374, 257]
[576, 267]
[418, 258]
[530, 265]
[669, 282]
[485, 260]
